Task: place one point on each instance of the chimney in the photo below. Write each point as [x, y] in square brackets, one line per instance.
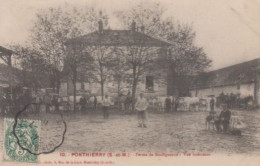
[133, 26]
[100, 25]
[142, 28]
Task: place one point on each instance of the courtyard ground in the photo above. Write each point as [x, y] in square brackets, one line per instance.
[167, 132]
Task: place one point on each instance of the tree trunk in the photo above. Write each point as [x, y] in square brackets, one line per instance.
[118, 94]
[57, 82]
[74, 96]
[133, 95]
[58, 86]
[74, 90]
[102, 88]
[134, 88]
[101, 79]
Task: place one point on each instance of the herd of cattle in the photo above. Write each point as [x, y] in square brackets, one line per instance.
[158, 103]
[155, 103]
[181, 103]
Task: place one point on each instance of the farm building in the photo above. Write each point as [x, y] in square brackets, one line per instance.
[6, 76]
[242, 79]
[152, 83]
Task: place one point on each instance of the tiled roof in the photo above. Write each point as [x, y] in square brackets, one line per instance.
[236, 74]
[5, 50]
[118, 38]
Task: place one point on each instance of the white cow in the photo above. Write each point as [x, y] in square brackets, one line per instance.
[187, 103]
[99, 99]
[161, 103]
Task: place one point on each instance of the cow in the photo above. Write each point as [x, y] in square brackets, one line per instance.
[188, 103]
[161, 103]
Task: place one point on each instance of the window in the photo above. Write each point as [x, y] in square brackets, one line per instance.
[149, 83]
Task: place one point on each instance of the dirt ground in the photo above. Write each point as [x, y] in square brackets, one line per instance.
[166, 132]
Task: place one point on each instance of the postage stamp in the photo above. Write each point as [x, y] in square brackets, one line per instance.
[22, 145]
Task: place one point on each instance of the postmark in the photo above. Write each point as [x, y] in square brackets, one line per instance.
[53, 130]
[26, 136]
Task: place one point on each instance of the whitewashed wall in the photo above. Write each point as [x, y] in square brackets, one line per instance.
[245, 90]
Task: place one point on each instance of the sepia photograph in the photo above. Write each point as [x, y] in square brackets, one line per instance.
[121, 82]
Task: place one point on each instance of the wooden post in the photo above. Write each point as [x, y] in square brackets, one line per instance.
[10, 73]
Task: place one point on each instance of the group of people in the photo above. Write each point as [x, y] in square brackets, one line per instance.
[105, 104]
[83, 102]
[9, 104]
[223, 119]
[234, 100]
[141, 105]
[46, 102]
[169, 104]
[164, 104]
[220, 122]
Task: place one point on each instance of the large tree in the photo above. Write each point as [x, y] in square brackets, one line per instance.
[103, 57]
[53, 27]
[32, 66]
[120, 72]
[183, 58]
[140, 57]
[78, 63]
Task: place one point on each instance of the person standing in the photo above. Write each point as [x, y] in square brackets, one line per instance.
[106, 103]
[128, 101]
[225, 117]
[141, 106]
[38, 103]
[95, 103]
[47, 102]
[83, 103]
[173, 104]
[168, 104]
[217, 123]
[212, 104]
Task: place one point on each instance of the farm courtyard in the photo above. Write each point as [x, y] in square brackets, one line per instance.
[176, 132]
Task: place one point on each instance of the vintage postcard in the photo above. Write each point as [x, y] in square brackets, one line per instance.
[130, 82]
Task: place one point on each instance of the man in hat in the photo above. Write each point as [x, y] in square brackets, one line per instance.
[141, 106]
[225, 117]
[106, 103]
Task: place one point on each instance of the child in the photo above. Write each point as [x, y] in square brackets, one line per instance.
[210, 119]
[236, 124]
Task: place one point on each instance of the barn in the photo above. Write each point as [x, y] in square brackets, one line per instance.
[242, 79]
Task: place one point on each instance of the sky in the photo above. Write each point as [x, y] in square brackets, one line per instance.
[228, 30]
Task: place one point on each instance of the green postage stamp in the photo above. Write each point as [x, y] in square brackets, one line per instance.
[25, 148]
